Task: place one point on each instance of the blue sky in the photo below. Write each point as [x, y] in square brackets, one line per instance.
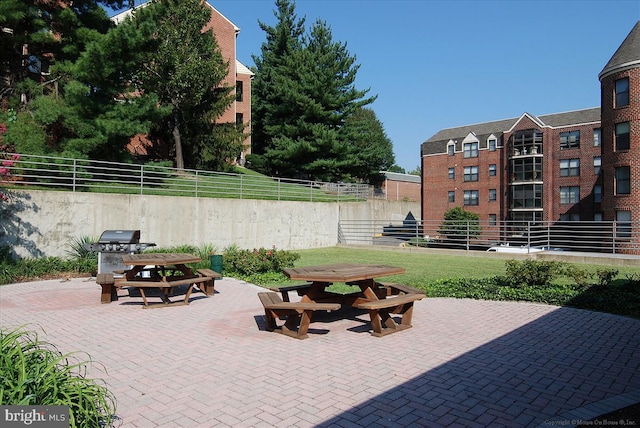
[442, 64]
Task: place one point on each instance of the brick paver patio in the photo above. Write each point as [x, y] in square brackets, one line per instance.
[464, 363]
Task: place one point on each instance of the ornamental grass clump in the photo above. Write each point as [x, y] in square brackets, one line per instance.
[33, 372]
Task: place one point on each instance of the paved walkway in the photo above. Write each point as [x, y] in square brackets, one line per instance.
[464, 363]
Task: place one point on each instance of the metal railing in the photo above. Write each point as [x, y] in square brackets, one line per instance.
[78, 175]
[587, 236]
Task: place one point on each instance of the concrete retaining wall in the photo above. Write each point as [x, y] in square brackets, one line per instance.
[45, 223]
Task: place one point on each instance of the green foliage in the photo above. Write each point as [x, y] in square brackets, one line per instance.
[257, 261]
[459, 223]
[20, 270]
[78, 247]
[530, 272]
[184, 68]
[304, 106]
[33, 372]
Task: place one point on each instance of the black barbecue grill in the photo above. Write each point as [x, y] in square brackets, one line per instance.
[112, 245]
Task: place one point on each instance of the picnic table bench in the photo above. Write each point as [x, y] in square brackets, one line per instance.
[399, 302]
[208, 287]
[302, 289]
[298, 314]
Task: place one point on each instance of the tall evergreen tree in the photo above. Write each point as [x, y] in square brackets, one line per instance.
[186, 70]
[273, 81]
[35, 86]
[372, 149]
[303, 101]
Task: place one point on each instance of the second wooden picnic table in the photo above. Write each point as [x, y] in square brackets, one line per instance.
[163, 271]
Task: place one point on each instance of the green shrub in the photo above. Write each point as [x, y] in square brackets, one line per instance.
[531, 272]
[45, 267]
[606, 276]
[257, 261]
[33, 372]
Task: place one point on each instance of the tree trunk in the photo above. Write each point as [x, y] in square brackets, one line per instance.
[177, 141]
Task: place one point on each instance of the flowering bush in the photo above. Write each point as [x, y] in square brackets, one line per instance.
[256, 261]
[8, 159]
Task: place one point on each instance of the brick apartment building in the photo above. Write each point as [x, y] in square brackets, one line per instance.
[580, 165]
[239, 75]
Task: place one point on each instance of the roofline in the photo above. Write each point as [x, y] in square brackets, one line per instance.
[618, 68]
[235, 27]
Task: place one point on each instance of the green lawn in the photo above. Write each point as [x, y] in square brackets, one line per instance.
[463, 276]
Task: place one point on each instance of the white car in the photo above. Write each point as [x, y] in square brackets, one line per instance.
[506, 248]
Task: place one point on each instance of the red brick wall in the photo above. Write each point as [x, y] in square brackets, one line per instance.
[225, 34]
[396, 190]
[437, 184]
[612, 159]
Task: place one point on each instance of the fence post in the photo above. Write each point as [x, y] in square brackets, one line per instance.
[197, 178]
[468, 234]
[142, 179]
[74, 176]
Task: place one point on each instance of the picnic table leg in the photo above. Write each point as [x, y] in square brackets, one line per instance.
[144, 298]
[407, 314]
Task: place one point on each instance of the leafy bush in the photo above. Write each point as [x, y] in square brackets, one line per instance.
[531, 272]
[257, 261]
[33, 372]
[606, 276]
[460, 224]
[46, 267]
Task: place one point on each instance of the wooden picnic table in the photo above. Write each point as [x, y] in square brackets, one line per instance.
[382, 301]
[361, 275]
[163, 271]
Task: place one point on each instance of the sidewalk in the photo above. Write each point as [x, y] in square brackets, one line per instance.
[464, 363]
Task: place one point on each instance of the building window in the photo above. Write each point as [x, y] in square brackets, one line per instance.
[622, 92]
[452, 196]
[570, 217]
[471, 197]
[451, 149]
[526, 196]
[623, 180]
[452, 173]
[470, 150]
[623, 224]
[597, 217]
[597, 163]
[493, 144]
[569, 140]
[596, 137]
[525, 141]
[597, 193]
[492, 170]
[569, 167]
[622, 136]
[493, 194]
[470, 173]
[569, 194]
[239, 90]
[239, 118]
[493, 219]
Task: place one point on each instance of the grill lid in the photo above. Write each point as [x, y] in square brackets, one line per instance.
[119, 237]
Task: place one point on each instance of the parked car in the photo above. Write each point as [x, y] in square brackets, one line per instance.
[506, 248]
